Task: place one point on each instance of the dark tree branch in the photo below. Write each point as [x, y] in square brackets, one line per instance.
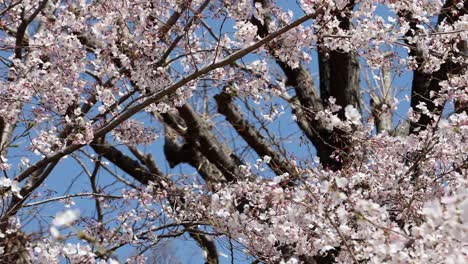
[146, 159]
[6, 129]
[206, 244]
[251, 135]
[16, 202]
[307, 102]
[199, 134]
[381, 104]
[424, 84]
[339, 70]
[188, 153]
[21, 31]
[144, 175]
[125, 163]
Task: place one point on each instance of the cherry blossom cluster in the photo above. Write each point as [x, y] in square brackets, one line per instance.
[91, 63]
[133, 132]
[141, 224]
[402, 200]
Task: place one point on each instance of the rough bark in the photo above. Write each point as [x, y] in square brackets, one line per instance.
[143, 174]
[339, 70]
[125, 163]
[251, 135]
[424, 84]
[177, 153]
[339, 77]
[199, 134]
[381, 104]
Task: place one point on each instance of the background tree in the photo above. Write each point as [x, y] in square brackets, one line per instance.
[264, 155]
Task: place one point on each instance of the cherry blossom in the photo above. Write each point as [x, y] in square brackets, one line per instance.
[66, 218]
[284, 130]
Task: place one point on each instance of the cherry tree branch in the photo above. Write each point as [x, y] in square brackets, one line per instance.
[66, 197]
[154, 98]
[251, 135]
